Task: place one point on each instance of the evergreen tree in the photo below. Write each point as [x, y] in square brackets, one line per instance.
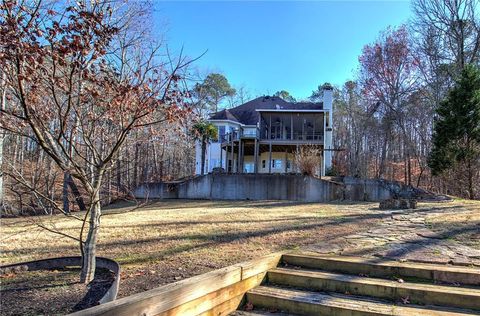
[456, 137]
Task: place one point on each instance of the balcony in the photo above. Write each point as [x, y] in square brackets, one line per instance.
[296, 137]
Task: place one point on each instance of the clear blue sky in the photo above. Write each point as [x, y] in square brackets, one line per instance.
[270, 46]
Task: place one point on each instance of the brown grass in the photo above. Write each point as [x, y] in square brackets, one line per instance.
[459, 221]
[168, 241]
[172, 240]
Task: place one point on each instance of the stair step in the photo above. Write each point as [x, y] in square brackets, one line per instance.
[314, 303]
[417, 293]
[376, 267]
[258, 313]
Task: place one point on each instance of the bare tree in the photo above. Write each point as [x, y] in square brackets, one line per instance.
[70, 94]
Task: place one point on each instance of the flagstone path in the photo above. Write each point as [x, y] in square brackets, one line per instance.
[405, 235]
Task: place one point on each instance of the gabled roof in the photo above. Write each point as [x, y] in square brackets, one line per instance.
[247, 113]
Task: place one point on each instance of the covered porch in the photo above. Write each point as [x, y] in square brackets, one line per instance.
[261, 156]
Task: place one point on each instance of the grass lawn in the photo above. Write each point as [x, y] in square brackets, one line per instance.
[460, 221]
[168, 241]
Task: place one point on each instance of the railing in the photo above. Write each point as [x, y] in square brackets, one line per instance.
[228, 137]
[250, 133]
[314, 137]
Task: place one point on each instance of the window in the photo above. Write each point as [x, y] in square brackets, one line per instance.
[327, 118]
[221, 133]
[276, 164]
[248, 168]
[288, 164]
[263, 164]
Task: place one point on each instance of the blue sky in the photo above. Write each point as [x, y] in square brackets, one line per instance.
[269, 46]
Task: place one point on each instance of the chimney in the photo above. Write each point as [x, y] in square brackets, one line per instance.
[327, 96]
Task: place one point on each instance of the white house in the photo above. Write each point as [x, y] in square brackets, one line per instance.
[262, 135]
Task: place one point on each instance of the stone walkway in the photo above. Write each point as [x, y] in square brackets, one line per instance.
[404, 235]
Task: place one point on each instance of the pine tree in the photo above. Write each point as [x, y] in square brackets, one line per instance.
[456, 137]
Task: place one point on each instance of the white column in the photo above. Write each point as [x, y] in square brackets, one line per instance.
[328, 124]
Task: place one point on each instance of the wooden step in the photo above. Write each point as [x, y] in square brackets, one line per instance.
[417, 293]
[314, 303]
[258, 313]
[381, 268]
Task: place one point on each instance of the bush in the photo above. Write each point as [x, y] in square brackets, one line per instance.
[307, 159]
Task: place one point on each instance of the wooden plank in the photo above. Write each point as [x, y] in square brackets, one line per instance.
[161, 299]
[263, 264]
[171, 296]
[226, 308]
[211, 300]
[377, 267]
[418, 293]
[314, 303]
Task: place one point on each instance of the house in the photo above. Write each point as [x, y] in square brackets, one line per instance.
[263, 135]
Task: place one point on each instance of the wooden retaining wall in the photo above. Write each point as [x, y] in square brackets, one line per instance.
[218, 293]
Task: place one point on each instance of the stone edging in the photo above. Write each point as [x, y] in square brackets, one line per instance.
[60, 262]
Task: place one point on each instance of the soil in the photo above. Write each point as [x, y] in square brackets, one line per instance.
[51, 292]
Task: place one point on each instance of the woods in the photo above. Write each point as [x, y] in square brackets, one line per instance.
[385, 118]
[94, 64]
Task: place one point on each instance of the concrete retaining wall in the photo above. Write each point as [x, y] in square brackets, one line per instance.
[246, 187]
[374, 190]
[276, 187]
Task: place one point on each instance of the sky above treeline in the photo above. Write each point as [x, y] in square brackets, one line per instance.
[270, 46]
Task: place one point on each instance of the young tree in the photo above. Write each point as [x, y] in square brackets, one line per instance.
[456, 138]
[213, 90]
[204, 132]
[70, 93]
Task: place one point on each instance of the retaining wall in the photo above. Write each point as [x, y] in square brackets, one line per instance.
[246, 187]
[291, 187]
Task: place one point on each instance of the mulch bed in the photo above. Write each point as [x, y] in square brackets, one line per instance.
[51, 292]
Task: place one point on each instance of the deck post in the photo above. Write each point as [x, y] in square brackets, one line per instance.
[243, 158]
[270, 157]
[255, 159]
[239, 156]
[221, 155]
[233, 153]
[270, 127]
[291, 126]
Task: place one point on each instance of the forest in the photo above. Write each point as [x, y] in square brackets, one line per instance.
[120, 111]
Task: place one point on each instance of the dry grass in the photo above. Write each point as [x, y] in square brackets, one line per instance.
[459, 221]
[167, 241]
[172, 240]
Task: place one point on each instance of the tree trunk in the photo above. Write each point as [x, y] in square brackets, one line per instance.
[66, 202]
[204, 149]
[90, 246]
[471, 187]
[76, 193]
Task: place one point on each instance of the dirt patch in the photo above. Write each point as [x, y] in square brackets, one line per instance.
[50, 292]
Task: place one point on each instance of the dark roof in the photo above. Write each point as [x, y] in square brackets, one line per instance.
[224, 115]
[247, 113]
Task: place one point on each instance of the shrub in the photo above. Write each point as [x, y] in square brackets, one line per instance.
[307, 159]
